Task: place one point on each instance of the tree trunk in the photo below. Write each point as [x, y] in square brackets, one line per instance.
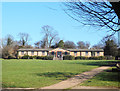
[116, 7]
[119, 34]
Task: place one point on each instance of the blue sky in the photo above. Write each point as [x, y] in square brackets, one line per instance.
[29, 17]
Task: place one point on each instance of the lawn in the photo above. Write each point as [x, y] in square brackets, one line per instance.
[39, 73]
[104, 79]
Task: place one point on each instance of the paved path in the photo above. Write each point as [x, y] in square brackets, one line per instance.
[71, 82]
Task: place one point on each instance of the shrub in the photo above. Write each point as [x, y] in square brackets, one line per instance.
[102, 58]
[81, 58]
[30, 57]
[77, 58]
[110, 58]
[45, 57]
[68, 57]
[84, 58]
[25, 57]
[90, 58]
[97, 58]
[94, 58]
[11, 57]
[48, 57]
[19, 57]
[40, 57]
[34, 57]
[117, 58]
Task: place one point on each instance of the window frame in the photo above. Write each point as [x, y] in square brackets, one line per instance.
[75, 53]
[93, 54]
[22, 52]
[86, 53]
[98, 53]
[66, 53]
[52, 52]
[32, 52]
[43, 53]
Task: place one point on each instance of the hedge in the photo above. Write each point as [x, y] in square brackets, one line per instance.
[68, 57]
[11, 57]
[37, 57]
[81, 58]
[95, 58]
[110, 58]
[117, 58]
[48, 58]
[98, 58]
[25, 57]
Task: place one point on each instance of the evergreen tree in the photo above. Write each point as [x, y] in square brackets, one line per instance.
[110, 48]
[61, 44]
[119, 52]
[9, 40]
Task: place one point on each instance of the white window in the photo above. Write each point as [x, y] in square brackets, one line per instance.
[43, 53]
[75, 53]
[86, 53]
[98, 53]
[66, 53]
[22, 52]
[32, 52]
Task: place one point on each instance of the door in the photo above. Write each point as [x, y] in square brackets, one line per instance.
[59, 54]
[93, 54]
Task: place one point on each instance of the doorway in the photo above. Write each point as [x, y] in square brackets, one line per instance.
[59, 54]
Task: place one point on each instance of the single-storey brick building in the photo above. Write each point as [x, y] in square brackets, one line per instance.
[58, 52]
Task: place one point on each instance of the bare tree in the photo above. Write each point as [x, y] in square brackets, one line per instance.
[37, 44]
[97, 14]
[6, 51]
[83, 45]
[9, 47]
[24, 38]
[106, 38]
[69, 44]
[102, 42]
[50, 36]
[97, 46]
[40, 44]
[8, 40]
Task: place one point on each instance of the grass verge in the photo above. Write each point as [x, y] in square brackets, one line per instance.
[107, 78]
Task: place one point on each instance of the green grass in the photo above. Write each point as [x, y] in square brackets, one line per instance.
[104, 79]
[39, 73]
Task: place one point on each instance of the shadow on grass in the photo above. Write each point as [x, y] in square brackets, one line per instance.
[8, 86]
[109, 75]
[105, 78]
[99, 63]
[63, 75]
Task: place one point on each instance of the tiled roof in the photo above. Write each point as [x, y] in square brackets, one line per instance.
[85, 49]
[34, 49]
[59, 49]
